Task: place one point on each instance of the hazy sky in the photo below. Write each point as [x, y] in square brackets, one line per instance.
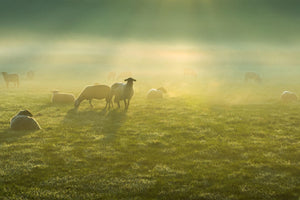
[211, 21]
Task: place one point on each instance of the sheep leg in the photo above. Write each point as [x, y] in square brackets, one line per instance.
[125, 103]
[106, 105]
[109, 102]
[91, 103]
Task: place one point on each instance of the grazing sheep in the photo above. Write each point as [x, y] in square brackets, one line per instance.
[94, 92]
[11, 78]
[252, 76]
[156, 93]
[62, 97]
[123, 91]
[288, 96]
[24, 121]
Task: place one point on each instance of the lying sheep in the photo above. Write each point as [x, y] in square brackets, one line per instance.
[123, 91]
[58, 97]
[288, 96]
[24, 121]
[94, 92]
[156, 93]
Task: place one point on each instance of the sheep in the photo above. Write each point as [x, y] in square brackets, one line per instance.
[288, 96]
[24, 121]
[156, 93]
[11, 78]
[58, 97]
[94, 92]
[252, 76]
[123, 91]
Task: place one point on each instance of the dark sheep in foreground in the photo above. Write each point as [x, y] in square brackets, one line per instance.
[94, 92]
[14, 78]
[24, 121]
[123, 91]
[156, 93]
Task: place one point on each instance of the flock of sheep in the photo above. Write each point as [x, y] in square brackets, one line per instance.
[119, 91]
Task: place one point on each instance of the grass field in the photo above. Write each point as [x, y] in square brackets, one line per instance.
[191, 145]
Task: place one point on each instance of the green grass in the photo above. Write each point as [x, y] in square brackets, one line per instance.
[201, 145]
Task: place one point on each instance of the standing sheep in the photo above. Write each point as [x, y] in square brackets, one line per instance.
[58, 97]
[24, 121]
[288, 96]
[123, 91]
[252, 76]
[156, 93]
[94, 92]
[11, 78]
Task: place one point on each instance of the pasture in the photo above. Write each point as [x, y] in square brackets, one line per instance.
[234, 141]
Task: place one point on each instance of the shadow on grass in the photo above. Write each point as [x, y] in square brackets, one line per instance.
[103, 122]
[8, 135]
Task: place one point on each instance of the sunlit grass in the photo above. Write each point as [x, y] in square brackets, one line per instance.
[194, 144]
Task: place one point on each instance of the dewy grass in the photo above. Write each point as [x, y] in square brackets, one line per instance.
[187, 146]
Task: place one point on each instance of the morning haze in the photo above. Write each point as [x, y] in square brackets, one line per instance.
[211, 90]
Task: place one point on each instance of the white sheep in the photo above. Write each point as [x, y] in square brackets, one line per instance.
[58, 97]
[156, 93]
[288, 96]
[94, 92]
[24, 121]
[123, 91]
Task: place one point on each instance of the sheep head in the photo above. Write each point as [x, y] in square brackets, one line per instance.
[55, 91]
[76, 104]
[162, 89]
[25, 112]
[130, 81]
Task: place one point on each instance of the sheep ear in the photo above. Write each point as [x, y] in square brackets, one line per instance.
[126, 79]
[29, 113]
[134, 80]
